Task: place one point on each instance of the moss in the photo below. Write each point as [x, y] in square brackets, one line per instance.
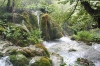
[19, 60]
[42, 47]
[50, 30]
[33, 21]
[1, 30]
[28, 52]
[44, 62]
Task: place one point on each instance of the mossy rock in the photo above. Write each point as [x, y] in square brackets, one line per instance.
[34, 50]
[42, 47]
[50, 30]
[19, 60]
[84, 62]
[27, 52]
[44, 61]
[29, 18]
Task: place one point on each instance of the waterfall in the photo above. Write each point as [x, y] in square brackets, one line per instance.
[5, 61]
[38, 17]
[65, 45]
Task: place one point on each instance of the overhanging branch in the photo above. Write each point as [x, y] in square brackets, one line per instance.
[73, 10]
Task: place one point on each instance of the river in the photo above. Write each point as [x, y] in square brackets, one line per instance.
[65, 45]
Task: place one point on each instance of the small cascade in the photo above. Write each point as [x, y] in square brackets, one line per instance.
[31, 62]
[5, 61]
[71, 50]
[38, 17]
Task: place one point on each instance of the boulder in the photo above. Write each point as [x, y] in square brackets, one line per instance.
[50, 30]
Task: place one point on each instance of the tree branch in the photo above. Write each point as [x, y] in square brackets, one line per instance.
[73, 10]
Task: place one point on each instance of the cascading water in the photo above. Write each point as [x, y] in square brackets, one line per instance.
[38, 17]
[64, 45]
[5, 61]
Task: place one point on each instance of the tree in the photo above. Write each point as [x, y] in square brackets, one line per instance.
[94, 12]
[8, 7]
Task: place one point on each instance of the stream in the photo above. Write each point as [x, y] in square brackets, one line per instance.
[4, 61]
[64, 45]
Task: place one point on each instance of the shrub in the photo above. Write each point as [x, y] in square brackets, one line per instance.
[96, 33]
[84, 36]
[16, 34]
[35, 36]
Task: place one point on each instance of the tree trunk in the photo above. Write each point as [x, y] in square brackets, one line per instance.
[13, 10]
[8, 8]
[93, 12]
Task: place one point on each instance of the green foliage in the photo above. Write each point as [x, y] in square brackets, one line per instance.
[80, 21]
[60, 16]
[96, 33]
[2, 27]
[72, 1]
[19, 36]
[46, 5]
[35, 36]
[66, 1]
[87, 36]
[84, 36]
[16, 34]
[7, 17]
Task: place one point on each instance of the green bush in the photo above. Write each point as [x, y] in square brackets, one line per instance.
[16, 34]
[19, 35]
[35, 36]
[96, 33]
[7, 17]
[84, 36]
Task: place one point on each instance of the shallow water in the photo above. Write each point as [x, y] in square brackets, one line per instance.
[64, 45]
[4, 61]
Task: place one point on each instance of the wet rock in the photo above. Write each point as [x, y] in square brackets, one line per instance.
[57, 60]
[19, 60]
[29, 18]
[29, 51]
[84, 62]
[40, 61]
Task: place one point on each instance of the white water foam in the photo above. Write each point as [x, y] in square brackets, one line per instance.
[5, 61]
[65, 44]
